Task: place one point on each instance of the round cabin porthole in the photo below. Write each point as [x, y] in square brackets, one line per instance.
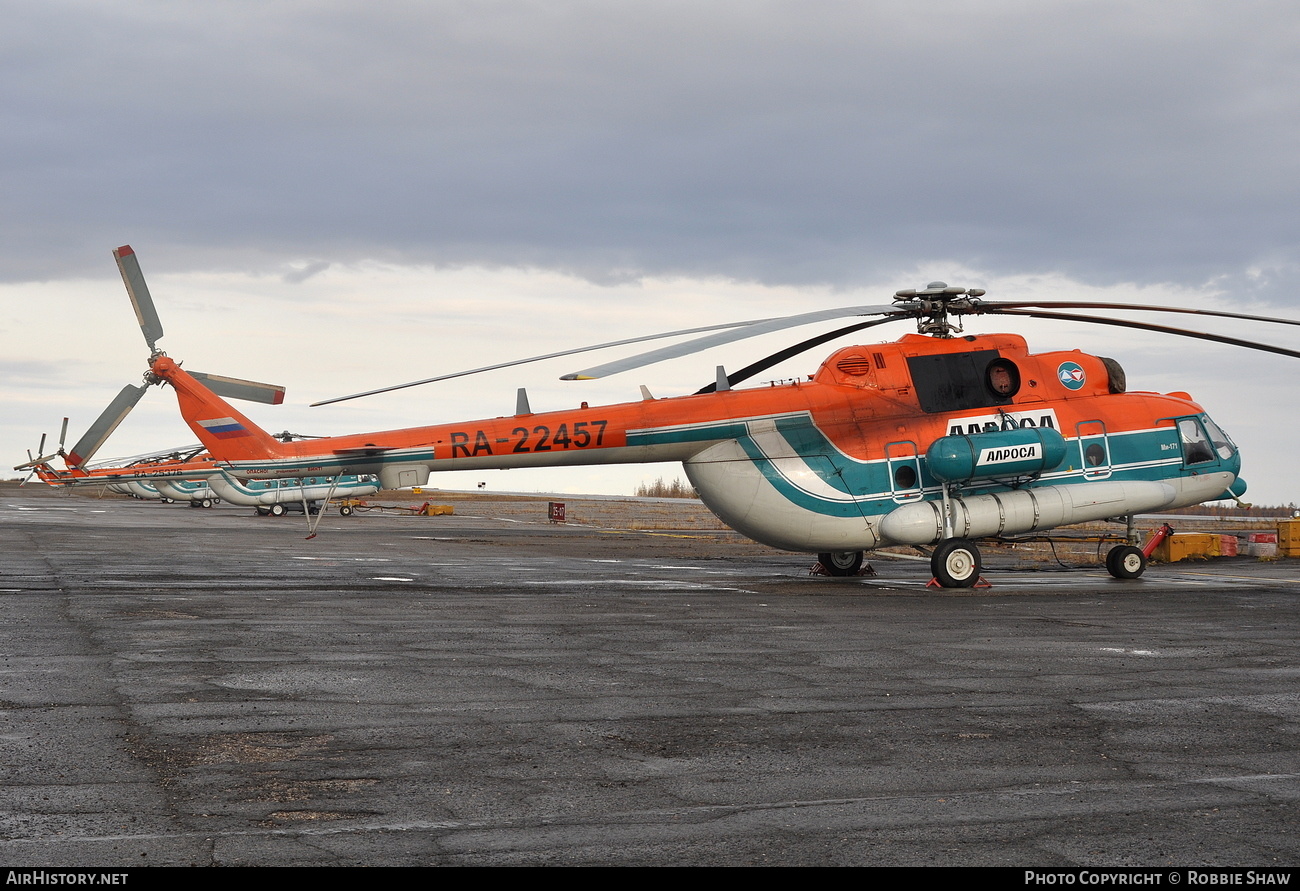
[1002, 378]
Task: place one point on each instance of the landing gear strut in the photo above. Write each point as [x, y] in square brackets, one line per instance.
[955, 563]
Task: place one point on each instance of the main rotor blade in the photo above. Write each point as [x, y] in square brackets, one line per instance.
[105, 424]
[749, 371]
[238, 388]
[133, 278]
[1146, 326]
[585, 349]
[979, 308]
[751, 329]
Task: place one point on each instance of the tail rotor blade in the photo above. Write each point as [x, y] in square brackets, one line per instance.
[63, 435]
[31, 463]
[133, 278]
[237, 388]
[105, 424]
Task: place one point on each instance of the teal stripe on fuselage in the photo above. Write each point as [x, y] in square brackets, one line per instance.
[866, 487]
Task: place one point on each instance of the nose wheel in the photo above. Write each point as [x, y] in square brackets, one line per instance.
[955, 563]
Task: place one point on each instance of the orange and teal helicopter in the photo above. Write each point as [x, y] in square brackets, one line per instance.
[935, 440]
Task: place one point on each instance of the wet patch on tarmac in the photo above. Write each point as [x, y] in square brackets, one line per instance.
[207, 687]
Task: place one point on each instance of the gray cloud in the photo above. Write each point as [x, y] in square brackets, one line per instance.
[783, 142]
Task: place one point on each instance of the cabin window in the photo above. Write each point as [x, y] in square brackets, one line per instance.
[1002, 378]
[904, 472]
[957, 381]
[1094, 449]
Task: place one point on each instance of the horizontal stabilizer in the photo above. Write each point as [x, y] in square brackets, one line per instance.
[236, 388]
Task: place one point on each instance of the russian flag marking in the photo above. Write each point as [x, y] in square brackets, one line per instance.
[224, 428]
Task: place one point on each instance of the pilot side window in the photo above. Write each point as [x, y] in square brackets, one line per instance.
[1196, 445]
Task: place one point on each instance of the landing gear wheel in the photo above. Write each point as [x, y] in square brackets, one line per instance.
[207, 502]
[841, 563]
[1126, 562]
[345, 511]
[263, 511]
[277, 510]
[956, 563]
[164, 499]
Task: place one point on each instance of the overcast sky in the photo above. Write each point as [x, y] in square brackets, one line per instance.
[338, 195]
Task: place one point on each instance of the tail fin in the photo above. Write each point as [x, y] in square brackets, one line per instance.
[227, 434]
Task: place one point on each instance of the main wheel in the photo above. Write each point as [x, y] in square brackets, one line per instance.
[277, 510]
[1126, 562]
[345, 511]
[841, 563]
[956, 563]
[207, 502]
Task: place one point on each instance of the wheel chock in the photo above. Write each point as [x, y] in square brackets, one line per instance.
[866, 571]
[981, 582]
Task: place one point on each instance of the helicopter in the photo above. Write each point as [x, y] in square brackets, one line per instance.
[199, 481]
[276, 496]
[935, 440]
[192, 476]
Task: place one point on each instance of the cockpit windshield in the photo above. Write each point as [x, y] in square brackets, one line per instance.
[1199, 448]
[1222, 444]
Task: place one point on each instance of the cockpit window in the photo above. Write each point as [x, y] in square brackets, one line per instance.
[1196, 446]
[1222, 444]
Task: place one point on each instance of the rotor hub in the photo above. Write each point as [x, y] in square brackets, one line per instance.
[933, 304]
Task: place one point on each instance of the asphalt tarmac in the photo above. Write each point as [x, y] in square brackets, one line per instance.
[207, 687]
